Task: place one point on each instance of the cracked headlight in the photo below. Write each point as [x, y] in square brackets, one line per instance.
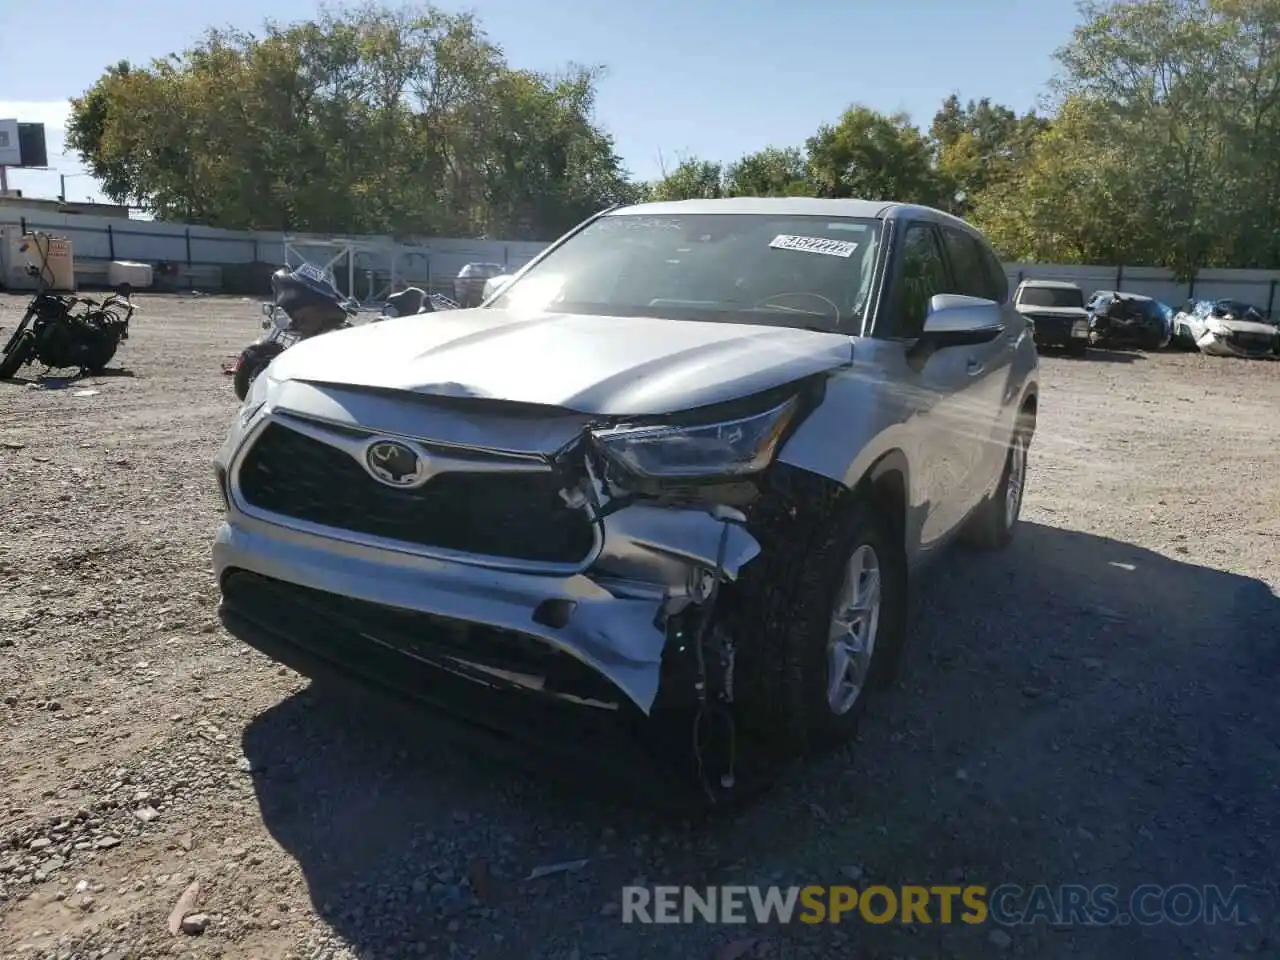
[730, 448]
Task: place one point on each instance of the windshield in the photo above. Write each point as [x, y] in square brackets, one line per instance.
[801, 271]
[1051, 297]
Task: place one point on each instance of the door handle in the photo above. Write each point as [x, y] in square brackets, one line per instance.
[974, 367]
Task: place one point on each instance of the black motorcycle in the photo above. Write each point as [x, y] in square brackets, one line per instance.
[64, 331]
[305, 305]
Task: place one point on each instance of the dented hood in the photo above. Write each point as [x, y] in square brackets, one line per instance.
[591, 364]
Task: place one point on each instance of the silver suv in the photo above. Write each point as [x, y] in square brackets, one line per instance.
[682, 468]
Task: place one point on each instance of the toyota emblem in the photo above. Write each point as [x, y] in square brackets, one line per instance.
[396, 464]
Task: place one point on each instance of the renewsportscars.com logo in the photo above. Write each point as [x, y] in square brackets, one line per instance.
[1008, 905]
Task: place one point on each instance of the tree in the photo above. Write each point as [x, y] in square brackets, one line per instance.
[771, 172]
[875, 157]
[1155, 71]
[692, 179]
[979, 145]
[1071, 200]
[1157, 147]
[1249, 87]
[1160, 153]
[363, 120]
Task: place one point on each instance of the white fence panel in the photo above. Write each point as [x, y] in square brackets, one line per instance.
[437, 260]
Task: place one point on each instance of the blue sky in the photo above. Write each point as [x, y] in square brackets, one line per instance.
[713, 78]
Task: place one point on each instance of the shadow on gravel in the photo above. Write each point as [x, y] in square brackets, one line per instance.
[1074, 710]
[1101, 355]
[47, 382]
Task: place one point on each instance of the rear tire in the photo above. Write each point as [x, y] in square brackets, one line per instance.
[21, 351]
[101, 353]
[992, 525]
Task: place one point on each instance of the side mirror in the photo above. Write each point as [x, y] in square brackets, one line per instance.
[957, 321]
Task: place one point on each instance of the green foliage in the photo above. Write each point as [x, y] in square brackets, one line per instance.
[771, 172]
[868, 154]
[364, 120]
[692, 179]
[1158, 147]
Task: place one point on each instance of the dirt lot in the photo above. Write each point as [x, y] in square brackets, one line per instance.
[1096, 705]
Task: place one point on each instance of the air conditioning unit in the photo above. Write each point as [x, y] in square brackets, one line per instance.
[13, 259]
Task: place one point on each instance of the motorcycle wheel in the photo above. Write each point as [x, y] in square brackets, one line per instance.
[100, 353]
[253, 360]
[19, 352]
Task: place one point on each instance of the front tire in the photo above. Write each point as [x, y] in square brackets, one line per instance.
[822, 615]
[22, 350]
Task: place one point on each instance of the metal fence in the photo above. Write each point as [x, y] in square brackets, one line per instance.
[216, 259]
[208, 257]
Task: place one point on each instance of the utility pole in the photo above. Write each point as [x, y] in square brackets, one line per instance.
[62, 188]
[4, 180]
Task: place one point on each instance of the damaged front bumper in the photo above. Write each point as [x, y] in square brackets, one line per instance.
[651, 574]
[1226, 344]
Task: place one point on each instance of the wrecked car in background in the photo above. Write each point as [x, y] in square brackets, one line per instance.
[472, 280]
[494, 284]
[1226, 328]
[671, 483]
[1055, 310]
[1128, 319]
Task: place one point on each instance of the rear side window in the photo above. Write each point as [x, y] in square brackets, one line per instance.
[968, 270]
[996, 277]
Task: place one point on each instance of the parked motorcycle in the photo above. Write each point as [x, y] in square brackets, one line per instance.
[66, 331]
[306, 304]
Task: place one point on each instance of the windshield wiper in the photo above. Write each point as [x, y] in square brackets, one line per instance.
[829, 325]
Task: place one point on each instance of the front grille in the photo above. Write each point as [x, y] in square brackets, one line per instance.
[518, 516]
[1049, 320]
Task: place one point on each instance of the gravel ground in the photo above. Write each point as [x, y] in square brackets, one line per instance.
[1095, 705]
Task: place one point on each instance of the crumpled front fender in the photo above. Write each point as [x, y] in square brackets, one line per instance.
[670, 547]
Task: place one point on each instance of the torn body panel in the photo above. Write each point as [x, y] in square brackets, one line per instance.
[1254, 342]
[609, 602]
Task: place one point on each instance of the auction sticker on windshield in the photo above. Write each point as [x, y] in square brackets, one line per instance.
[830, 248]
